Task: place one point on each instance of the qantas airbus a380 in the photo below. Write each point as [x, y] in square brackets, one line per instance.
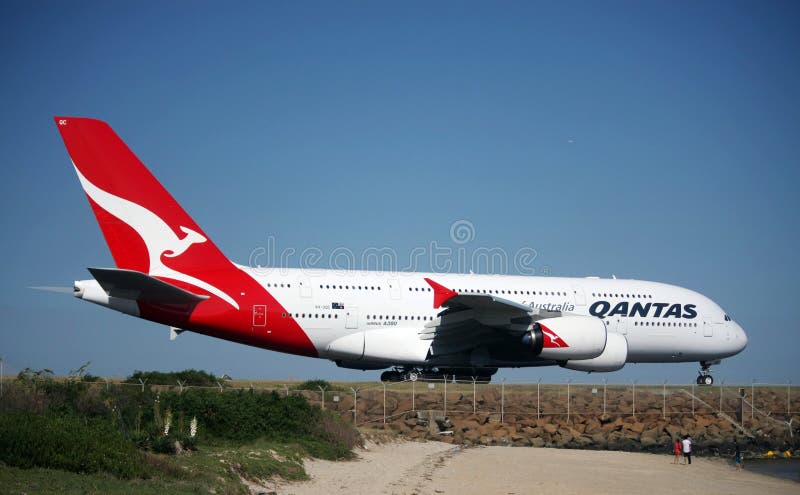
[168, 271]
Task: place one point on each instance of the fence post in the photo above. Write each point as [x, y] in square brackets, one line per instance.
[219, 385]
[568, 382]
[664, 399]
[106, 380]
[413, 404]
[355, 405]
[788, 398]
[502, 399]
[538, 405]
[752, 399]
[692, 398]
[322, 394]
[286, 387]
[142, 382]
[721, 385]
[605, 382]
[445, 397]
[384, 402]
[474, 397]
[180, 385]
[633, 402]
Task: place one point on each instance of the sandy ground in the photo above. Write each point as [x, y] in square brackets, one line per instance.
[429, 468]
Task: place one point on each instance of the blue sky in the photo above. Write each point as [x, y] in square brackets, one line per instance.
[650, 140]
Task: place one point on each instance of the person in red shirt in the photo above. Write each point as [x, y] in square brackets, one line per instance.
[676, 448]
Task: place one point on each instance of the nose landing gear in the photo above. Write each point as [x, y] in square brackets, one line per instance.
[705, 378]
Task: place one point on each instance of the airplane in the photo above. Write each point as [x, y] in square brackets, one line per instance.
[413, 325]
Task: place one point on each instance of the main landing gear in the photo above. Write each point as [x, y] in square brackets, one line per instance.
[705, 378]
[480, 375]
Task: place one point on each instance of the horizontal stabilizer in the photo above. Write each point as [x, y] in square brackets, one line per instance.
[130, 284]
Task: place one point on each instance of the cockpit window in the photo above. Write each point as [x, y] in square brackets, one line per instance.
[727, 318]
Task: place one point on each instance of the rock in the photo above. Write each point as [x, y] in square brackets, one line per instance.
[472, 436]
[648, 441]
[599, 439]
[563, 438]
[550, 428]
[537, 442]
[636, 427]
[592, 426]
[465, 424]
[615, 425]
[702, 422]
[672, 430]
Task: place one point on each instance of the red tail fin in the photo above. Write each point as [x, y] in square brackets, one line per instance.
[145, 228]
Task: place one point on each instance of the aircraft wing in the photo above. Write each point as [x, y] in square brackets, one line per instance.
[470, 320]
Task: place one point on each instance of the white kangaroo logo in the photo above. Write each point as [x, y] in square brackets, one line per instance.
[552, 337]
[158, 237]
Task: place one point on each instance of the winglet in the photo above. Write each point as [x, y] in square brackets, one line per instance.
[441, 294]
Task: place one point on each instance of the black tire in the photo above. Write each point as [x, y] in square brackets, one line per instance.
[391, 376]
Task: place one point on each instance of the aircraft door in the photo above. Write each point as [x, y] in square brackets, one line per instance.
[351, 318]
[579, 295]
[708, 327]
[622, 326]
[259, 315]
[305, 287]
[394, 289]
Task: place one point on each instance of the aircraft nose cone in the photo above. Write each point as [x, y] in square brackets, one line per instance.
[740, 340]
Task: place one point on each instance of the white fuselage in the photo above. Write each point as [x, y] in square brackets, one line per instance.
[330, 305]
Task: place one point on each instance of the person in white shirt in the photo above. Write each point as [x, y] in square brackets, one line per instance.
[686, 445]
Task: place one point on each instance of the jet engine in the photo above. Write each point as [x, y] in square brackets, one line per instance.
[566, 338]
[612, 359]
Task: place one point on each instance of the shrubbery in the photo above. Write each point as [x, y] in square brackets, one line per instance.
[315, 385]
[75, 426]
[194, 378]
[246, 415]
[71, 443]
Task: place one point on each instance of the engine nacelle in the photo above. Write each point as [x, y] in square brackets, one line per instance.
[566, 338]
[612, 359]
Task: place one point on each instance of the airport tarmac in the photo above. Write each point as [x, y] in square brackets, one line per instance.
[433, 468]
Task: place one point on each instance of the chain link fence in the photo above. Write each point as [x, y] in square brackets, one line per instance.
[372, 402]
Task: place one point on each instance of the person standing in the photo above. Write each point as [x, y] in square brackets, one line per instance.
[686, 446]
[677, 449]
[737, 457]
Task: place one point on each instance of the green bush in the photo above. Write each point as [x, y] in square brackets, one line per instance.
[315, 385]
[194, 378]
[71, 443]
[246, 415]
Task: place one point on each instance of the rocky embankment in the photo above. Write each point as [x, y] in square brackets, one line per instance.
[650, 429]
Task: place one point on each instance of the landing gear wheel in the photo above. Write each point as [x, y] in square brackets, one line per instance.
[705, 377]
[391, 376]
[412, 376]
